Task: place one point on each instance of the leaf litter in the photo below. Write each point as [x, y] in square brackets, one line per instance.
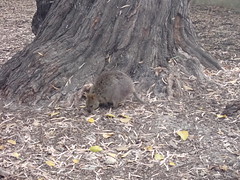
[145, 147]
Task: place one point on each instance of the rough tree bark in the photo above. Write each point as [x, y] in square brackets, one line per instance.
[43, 7]
[151, 40]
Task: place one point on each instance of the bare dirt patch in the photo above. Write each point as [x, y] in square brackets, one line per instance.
[63, 136]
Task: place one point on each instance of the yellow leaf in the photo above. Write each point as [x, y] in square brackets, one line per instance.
[82, 107]
[110, 115]
[221, 116]
[11, 141]
[158, 157]
[112, 155]
[15, 154]
[91, 120]
[95, 148]
[107, 135]
[123, 116]
[50, 163]
[183, 134]
[125, 120]
[76, 161]
[2, 147]
[172, 163]
[149, 148]
[54, 113]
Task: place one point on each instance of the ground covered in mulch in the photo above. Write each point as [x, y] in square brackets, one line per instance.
[138, 141]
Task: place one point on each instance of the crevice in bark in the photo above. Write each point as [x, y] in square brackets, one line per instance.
[43, 7]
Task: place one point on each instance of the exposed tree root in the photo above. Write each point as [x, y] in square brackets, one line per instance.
[187, 44]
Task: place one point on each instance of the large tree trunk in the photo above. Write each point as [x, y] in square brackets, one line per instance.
[43, 7]
[151, 40]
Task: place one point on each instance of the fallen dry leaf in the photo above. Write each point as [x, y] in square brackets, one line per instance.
[11, 141]
[183, 134]
[124, 155]
[15, 154]
[125, 120]
[158, 157]
[123, 116]
[50, 163]
[54, 113]
[187, 88]
[91, 120]
[172, 163]
[107, 135]
[112, 155]
[221, 116]
[58, 108]
[110, 115]
[149, 148]
[233, 81]
[224, 167]
[39, 53]
[95, 148]
[76, 161]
